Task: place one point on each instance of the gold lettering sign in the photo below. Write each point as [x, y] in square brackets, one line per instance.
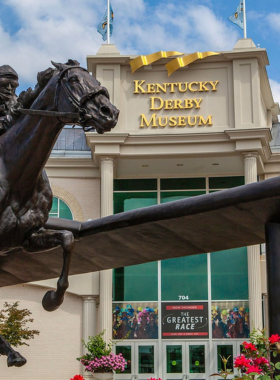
[140, 87]
[185, 103]
[156, 121]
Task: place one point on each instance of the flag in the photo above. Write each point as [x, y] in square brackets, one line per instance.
[238, 16]
[102, 27]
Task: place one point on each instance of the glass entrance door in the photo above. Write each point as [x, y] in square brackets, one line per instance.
[187, 361]
[227, 350]
[142, 360]
[146, 361]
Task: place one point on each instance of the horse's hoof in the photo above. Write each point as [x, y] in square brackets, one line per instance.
[15, 359]
[50, 301]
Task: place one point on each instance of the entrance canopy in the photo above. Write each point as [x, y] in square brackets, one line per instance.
[206, 223]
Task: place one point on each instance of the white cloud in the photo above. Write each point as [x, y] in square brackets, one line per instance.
[184, 27]
[56, 31]
[275, 88]
[61, 29]
[273, 21]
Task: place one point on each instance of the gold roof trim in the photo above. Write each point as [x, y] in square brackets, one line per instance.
[144, 60]
[176, 63]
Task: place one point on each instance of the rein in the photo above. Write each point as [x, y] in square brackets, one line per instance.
[27, 111]
[80, 116]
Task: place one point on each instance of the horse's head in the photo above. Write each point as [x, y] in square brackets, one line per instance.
[78, 91]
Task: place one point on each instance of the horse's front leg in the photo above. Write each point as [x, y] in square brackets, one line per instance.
[14, 358]
[44, 240]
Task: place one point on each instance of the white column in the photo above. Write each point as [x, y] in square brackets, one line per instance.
[105, 308]
[253, 253]
[89, 323]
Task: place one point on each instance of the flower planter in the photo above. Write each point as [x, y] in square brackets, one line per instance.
[100, 358]
[103, 376]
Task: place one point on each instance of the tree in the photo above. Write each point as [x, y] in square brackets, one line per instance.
[13, 324]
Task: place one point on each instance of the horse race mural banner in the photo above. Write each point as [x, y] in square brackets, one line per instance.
[230, 319]
[138, 320]
[184, 320]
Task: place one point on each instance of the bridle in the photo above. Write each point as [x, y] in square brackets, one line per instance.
[79, 117]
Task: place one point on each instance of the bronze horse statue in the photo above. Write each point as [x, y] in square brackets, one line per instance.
[67, 94]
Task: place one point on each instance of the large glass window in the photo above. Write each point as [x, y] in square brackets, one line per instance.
[136, 283]
[60, 209]
[174, 189]
[182, 184]
[183, 280]
[132, 200]
[135, 184]
[229, 274]
[219, 183]
[180, 278]
[169, 196]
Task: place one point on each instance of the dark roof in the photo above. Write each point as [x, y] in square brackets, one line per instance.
[71, 139]
[275, 131]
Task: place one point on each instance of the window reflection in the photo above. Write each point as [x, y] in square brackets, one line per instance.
[197, 359]
[174, 359]
[126, 353]
[146, 359]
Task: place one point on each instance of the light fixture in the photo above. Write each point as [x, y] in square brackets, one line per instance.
[180, 164]
[215, 164]
[145, 166]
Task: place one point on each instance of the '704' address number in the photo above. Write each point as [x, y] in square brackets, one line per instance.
[183, 297]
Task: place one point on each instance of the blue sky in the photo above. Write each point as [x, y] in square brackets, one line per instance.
[34, 32]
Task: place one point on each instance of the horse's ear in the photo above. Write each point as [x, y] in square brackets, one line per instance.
[59, 66]
[72, 62]
[62, 66]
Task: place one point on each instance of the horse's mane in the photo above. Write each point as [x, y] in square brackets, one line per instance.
[26, 98]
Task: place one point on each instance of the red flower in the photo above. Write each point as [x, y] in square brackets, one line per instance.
[261, 361]
[249, 346]
[242, 362]
[274, 339]
[78, 377]
[254, 368]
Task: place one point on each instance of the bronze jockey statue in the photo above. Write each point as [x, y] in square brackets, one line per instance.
[8, 98]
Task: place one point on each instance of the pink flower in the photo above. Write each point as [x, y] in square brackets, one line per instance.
[249, 346]
[254, 368]
[241, 362]
[77, 377]
[261, 361]
[108, 363]
[274, 339]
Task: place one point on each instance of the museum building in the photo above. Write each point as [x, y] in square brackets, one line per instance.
[188, 126]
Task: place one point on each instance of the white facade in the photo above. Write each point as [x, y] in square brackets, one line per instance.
[235, 142]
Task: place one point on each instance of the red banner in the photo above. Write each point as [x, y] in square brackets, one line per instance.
[185, 307]
[185, 334]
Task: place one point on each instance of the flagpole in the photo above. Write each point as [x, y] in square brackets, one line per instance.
[108, 23]
[244, 20]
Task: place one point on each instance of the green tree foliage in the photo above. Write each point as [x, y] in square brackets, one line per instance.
[96, 347]
[13, 323]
